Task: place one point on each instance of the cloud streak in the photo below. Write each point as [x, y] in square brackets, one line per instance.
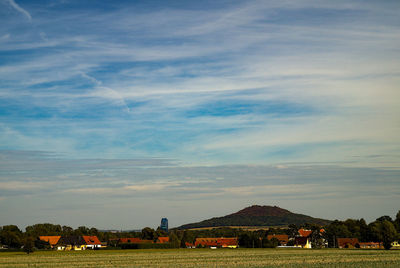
[20, 9]
[133, 99]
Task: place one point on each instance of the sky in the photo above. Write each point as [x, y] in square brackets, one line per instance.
[114, 114]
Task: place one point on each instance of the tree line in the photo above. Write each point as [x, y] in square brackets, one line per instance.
[384, 229]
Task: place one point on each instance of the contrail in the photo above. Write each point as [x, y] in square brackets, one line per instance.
[20, 9]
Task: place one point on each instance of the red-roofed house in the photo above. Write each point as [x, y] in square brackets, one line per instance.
[282, 238]
[348, 243]
[189, 245]
[162, 239]
[302, 242]
[371, 245]
[217, 242]
[52, 240]
[92, 241]
[228, 242]
[304, 232]
[205, 242]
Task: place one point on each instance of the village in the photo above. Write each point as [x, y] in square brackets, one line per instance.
[301, 240]
[348, 234]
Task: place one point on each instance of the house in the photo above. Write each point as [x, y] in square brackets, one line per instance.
[205, 242]
[302, 242]
[92, 242]
[371, 245]
[189, 245]
[304, 232]
[348, 243]
[228, 242]
[395, 244]
[283, 239]
[51, 239]
[162, 239]
[217, 242]
[71, 243]
[317, 236]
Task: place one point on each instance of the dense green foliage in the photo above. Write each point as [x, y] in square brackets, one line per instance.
[28, 245]
[381, 230]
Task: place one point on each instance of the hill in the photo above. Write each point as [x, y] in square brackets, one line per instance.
[258, 216]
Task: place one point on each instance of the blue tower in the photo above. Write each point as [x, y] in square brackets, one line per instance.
[164, 224]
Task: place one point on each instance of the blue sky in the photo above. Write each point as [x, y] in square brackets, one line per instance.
[123, 112]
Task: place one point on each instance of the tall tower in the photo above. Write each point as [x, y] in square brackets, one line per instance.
[164, 224]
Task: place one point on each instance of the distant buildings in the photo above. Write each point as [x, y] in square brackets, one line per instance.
[348, 242]
[72, 242]
[164, 224]
[212, 242]
[282, 238]
[52, 239]
[374, 245]
[302, 242]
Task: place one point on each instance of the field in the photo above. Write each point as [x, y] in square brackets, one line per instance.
[205, 258]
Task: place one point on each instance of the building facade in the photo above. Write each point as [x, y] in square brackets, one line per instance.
[164, 224]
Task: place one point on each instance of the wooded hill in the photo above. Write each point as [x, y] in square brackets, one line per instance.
[258, 216]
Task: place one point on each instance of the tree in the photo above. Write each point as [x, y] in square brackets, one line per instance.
[384, 218]
[316, 238]
[11, 236]
[67, 231]
[82, 230]
[353, 227]
[93, 231]
[245, 241]
[292, 231]
[174, 240]
[273, 243]
[364, 235]
[187, 237]
[397, 222]
[40, 244]
[43, 229]
[335, 230]
[148, 233]
[385, 232]
[389, 234]
[28, 245]
[160, 232]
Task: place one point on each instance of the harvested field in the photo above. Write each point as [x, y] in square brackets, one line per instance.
[205, 258]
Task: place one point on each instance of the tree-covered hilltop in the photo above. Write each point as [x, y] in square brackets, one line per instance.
[258, 216]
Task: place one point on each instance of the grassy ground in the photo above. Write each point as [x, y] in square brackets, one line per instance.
[204, 258]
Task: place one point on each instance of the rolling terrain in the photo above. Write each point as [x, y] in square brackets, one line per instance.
[257, 216]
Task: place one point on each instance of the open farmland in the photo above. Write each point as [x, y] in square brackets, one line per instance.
[205, 258]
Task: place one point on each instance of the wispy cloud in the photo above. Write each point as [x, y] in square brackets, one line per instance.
[19, 9]
[134, 98]
[17, 186]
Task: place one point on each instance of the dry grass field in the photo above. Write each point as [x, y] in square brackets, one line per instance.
[205, 258]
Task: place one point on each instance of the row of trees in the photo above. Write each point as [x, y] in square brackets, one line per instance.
[383, 229]
[12, 237]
